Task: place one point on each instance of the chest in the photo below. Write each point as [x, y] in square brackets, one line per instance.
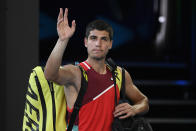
[97, 85]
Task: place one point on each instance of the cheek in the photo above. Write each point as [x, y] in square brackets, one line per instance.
[107, 47]
[89, 48]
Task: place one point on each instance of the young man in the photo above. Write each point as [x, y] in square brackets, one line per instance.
[98, 108]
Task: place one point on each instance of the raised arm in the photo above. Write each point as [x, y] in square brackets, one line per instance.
[140, 101]
[53, 71]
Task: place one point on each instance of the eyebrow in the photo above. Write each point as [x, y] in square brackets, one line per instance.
[92, 36]
[96, 36]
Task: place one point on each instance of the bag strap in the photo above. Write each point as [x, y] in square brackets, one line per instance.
[113, 67]
[114, 78]
[122, 92]
[78, 102]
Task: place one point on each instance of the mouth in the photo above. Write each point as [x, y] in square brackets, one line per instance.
[97, 50]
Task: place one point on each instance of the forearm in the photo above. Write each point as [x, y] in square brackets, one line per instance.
[142, 106]
[55, 59]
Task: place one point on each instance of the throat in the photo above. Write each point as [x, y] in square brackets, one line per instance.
[98, 66]
[101, 71]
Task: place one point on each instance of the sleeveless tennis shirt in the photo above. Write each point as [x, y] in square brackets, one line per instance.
[96, 113]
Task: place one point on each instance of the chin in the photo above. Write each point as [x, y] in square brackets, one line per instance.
[98, 58]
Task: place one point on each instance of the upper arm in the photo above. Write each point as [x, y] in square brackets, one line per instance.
[132, 92]
[67, 74]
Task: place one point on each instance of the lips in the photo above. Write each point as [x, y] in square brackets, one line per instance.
[97, 50]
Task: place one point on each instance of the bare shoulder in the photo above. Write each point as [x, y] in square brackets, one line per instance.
[127, 74]
[69, 74]
[70, 68]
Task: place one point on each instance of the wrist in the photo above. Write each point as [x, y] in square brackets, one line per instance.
[63, 41]
[134, 108]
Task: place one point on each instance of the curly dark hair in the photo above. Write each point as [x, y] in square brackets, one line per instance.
[99, 25]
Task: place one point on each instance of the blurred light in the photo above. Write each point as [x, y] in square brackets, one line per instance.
[162, 19]
[163, 15]
[182, 82]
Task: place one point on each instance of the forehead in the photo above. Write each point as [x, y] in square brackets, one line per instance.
[99, 33]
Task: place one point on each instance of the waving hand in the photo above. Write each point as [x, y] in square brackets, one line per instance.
[63, 28]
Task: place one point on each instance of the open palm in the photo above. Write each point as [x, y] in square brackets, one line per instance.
[63, 28]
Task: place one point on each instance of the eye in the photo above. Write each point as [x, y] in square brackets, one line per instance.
[105, 38]
[93, 37]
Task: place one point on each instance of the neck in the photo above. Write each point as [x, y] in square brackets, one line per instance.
[98, 65]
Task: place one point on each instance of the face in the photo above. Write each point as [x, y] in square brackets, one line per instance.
[98, 44]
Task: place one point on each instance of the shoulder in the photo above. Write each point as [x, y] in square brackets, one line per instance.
[127, 74]
[70, 67]
[71, 71]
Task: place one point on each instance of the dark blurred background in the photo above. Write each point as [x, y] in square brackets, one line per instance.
[154, 40]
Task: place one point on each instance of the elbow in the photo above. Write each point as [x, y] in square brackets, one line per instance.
[146, 105]
[49, 76]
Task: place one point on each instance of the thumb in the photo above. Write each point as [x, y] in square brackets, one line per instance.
[73, 26]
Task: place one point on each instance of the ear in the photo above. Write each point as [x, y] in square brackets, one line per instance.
[110, 45]
[85, 42]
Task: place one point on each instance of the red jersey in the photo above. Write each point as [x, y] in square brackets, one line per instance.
[96, 113]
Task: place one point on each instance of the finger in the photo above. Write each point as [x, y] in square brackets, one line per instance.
[59, 21]
[121, 107]
[128, 114]
[65, 16]
[60, 16]
[124, 116]
[121, 113]
[73, 26]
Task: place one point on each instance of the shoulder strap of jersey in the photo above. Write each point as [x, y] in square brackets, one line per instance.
[111, 65]
[117, 72]
[85, 65]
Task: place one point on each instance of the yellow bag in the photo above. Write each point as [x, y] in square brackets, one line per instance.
[45, 107]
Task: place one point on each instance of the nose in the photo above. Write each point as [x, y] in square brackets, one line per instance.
[98, 43]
